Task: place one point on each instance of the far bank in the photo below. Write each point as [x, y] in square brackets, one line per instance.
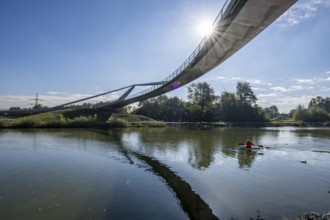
[65, 119]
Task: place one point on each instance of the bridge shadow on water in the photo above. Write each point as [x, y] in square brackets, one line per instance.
[191, 203]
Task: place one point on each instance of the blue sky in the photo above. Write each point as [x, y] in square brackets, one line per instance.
[65, 50]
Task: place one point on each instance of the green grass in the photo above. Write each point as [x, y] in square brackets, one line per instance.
[52, 119]
[72, 118]
[49, 119]
[118, 122]
[288, 122]
[128, 120]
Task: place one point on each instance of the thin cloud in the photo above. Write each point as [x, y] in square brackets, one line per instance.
[328, 72]
[313, 80]
[309, 81]
[221, 77]
[255, 81]
[323, 79]
[296, 87]
[290, 89]
[287, 103]
[259, 82]
[56, 93]
[279, 89]
[12, 101]
[267, 95]
[258, 89]
[50, 100]
[325, 89]
[302, 11]
[229, 79]
[237, 78]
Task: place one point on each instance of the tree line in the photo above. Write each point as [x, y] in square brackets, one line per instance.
[239, 106]
[318, 110]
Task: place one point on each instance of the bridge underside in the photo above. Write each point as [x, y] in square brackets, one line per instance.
[241, 21]
[238, 22]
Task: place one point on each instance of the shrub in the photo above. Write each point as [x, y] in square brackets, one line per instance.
[4, 123]
[118, 123]
[28, 123]
[156, 124]
[81, 120]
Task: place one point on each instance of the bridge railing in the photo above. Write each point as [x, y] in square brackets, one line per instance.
[187, 61]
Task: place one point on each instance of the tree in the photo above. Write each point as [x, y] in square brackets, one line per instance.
[245, 93]
[320, 102]
[228, 107]
[201, 94]
[173, 109]
[237, 107]
[316, 114]
[162, 108]
[39, 106]
[149, 108]
[300, 113]
[312, 114]
[14, 108]
[318, 111]
[204, 105]
[272, 111]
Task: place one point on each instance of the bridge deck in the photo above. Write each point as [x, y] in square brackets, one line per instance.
[235, 26]
[238, 22]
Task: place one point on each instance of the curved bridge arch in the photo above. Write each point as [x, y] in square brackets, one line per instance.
[238, 22]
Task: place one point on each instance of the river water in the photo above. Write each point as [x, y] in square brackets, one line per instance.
[163, 173]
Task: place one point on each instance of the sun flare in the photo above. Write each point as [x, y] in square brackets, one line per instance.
[205, 28]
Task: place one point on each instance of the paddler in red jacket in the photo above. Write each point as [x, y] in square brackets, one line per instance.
[248, 144]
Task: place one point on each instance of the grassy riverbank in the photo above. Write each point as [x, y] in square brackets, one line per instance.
[49, 119]
[71, 119]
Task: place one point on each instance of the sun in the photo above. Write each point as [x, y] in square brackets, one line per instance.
[205, 27]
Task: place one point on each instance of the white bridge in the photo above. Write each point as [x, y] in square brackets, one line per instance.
[238, 22]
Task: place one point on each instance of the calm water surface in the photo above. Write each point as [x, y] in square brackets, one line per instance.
[163, 173]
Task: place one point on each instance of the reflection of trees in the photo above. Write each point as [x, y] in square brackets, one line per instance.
[201, 144]
[314, 133]
[246, 158]
[229, 139]
[202, 151]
